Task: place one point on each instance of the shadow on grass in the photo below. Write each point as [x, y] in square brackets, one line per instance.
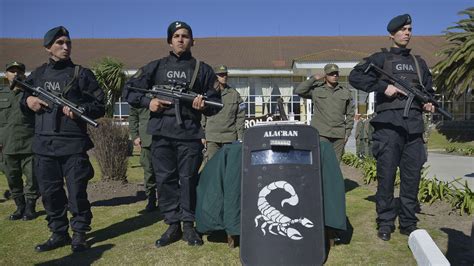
[140, 196]
[345, 237]
[40, 213]
[81, 258]
[220, 236]
[124, 227]
[350, 185]
[460, 247]
[370, 198]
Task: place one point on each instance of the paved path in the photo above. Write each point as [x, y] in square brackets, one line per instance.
[444, 166]
[448, 167]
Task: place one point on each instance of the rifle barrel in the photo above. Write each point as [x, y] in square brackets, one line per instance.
[77, 110]
[177, 95]
[404, 86]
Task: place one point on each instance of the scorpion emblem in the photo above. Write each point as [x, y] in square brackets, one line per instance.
[274, 218]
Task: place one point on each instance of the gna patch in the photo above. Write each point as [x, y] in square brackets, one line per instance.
[399, 67]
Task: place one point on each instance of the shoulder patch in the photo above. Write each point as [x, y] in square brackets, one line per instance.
[242, 106]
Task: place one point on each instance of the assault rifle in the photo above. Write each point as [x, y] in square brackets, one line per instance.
[51, 99]
[412, 93]
[174, 93]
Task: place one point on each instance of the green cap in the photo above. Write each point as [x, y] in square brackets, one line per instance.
[15, 64]
[174, 26]
[329, 68]
[53, 34]
[398, 22]
[220, 69]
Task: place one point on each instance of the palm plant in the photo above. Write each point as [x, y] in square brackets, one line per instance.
[454, 74]
[111, 77]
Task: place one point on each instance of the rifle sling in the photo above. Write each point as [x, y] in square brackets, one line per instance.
[418, 72]
[177, 106]
[196, 70]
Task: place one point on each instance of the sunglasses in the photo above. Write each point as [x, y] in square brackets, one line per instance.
[15, 70]
[335, 73]
[222, 74]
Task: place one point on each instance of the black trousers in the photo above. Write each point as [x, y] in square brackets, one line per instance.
[176, 164]
[393, 147]
[51, 172]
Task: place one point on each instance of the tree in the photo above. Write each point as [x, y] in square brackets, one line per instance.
[111, 144]
[454, 74]
[111, 77]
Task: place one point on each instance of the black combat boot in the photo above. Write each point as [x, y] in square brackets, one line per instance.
[20, 208]
[151, 205]
[30, 210]
[190, 235]
[56, 240]
[172, 234]
[79, 242]
[384, 232]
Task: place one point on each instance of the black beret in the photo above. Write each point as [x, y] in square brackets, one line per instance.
[397, 22]
[174, 26]
[53, 34]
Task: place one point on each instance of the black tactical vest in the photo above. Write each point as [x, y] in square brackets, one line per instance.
[401, 67]
[63, 83]
[181, 72]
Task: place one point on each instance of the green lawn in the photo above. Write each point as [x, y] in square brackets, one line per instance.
[123, 236]
[439, 141]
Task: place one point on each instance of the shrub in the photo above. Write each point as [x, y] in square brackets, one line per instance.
[430, 190]
[462, 199]
[111, 149]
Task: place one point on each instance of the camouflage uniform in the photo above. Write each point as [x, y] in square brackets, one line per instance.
[227, 125]
[17, 131]
[137, 123]
[333, 111]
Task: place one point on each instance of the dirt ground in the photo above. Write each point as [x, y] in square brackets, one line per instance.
[458, 246]
[113, 193]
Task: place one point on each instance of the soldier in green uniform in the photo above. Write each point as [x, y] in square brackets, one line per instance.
[364, 132]
[226, 126]
[15, 145]
[137, 123]
[333, 107]
[359, 136]
[368, 132]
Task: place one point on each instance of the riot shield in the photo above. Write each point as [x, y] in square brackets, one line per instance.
[282, 219]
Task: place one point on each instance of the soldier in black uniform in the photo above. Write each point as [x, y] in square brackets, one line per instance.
[61, 141]
[176, 147]
[397, 141]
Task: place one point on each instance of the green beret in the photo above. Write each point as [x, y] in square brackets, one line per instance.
[220, 69]
[398, 22]
[174, 26]
[329, 68]
[15, 64]
[53, 34]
